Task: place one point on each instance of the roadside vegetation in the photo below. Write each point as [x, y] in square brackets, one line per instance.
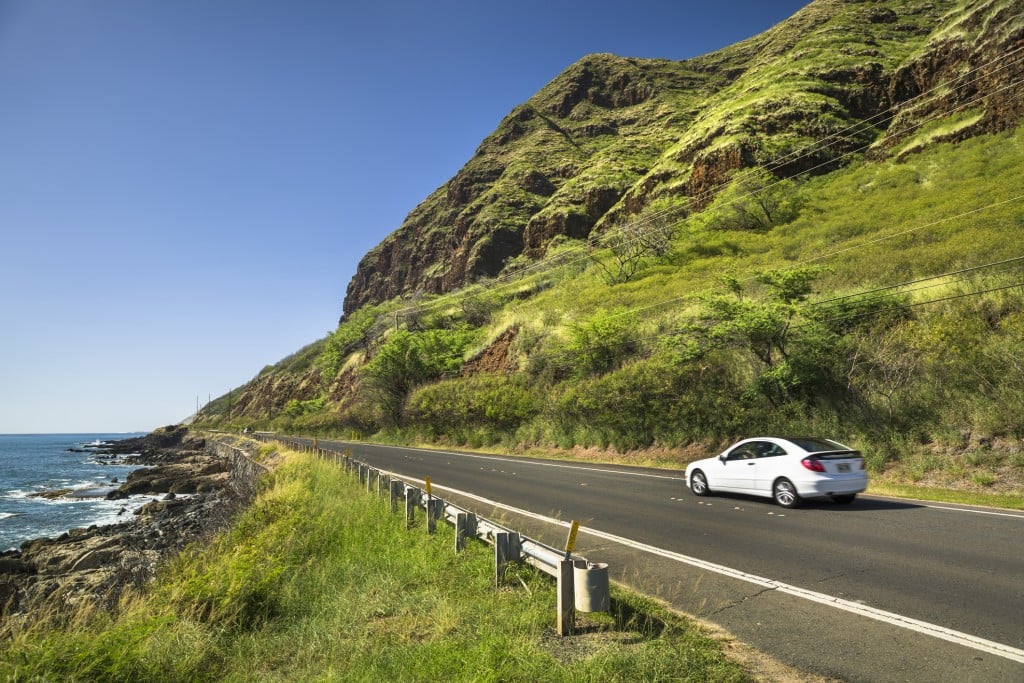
[319, 581]
[881, 305]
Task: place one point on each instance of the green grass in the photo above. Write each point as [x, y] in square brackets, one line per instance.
[1010, 501]
[319, 582]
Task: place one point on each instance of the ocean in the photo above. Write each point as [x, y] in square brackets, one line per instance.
[37, 463]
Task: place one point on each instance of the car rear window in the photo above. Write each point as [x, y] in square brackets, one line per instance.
[812, 445]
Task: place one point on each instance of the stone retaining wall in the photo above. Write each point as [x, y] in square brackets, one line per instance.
[244, 470]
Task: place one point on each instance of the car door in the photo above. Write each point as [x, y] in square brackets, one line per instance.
[738, 470]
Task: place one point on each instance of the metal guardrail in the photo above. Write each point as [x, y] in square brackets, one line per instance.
[581, 585]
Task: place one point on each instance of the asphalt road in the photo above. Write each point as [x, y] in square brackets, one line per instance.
[879, 590]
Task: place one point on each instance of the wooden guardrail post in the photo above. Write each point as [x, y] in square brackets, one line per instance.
[566, 598]
[507, 548]
[435, 509]
[397, 491]
[411, 501]
[465, 527]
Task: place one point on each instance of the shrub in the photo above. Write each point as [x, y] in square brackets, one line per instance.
[408, 359]
[600, 343]
[493, 401]
[648, 401]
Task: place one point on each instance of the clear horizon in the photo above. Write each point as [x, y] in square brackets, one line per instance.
[190, 185]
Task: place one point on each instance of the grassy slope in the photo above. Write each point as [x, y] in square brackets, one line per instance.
[631, 131]
[933, 208]
[872, 224]
[318, 581]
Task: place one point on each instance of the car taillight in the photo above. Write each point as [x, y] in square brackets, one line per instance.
[861, 463]
[813, 464]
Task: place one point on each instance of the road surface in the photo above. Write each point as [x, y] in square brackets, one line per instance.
[879, 590]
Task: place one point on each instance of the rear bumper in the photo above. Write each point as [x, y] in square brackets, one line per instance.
[828, 486]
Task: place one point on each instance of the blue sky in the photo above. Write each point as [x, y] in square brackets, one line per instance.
[186, 186]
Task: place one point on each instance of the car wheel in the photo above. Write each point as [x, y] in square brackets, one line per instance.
[844, 498]
[785, 493]
[699, 484]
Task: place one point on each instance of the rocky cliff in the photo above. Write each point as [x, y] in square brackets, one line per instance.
[611, 137]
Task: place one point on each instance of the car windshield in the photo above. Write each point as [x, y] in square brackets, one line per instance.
[813, 445]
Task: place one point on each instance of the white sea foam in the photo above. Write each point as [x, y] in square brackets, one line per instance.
[7, 515]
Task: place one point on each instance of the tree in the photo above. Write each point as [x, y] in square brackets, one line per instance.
[789, 347]
[755, 200]
[883, 363]
[632, 245]
[407, 359]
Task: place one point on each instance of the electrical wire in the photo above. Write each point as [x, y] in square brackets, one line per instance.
[668, 213]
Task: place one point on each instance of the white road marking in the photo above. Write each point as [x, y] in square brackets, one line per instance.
[978, 512]
[923, 627]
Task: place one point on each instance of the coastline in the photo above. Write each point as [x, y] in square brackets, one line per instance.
[193, 497]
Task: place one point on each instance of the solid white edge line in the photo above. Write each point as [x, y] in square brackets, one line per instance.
[977, 512]
[923, 627]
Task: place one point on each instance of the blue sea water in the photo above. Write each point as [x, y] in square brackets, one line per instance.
[35, 463]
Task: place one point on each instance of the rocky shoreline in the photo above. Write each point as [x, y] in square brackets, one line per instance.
[195, 495]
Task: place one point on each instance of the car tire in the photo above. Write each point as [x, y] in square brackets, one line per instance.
[784, 493]
[699, 484]
[844, 498]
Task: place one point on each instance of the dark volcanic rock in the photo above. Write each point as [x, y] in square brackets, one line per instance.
[47, 578]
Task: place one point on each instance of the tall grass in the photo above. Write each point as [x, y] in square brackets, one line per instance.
[318, 581]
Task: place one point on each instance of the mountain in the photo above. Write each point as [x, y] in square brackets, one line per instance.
[610, 136]
[816, 230]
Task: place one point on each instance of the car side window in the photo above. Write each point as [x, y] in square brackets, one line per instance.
[771, 450]
[745, 451]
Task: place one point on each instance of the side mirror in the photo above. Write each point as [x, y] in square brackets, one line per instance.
[723, 457]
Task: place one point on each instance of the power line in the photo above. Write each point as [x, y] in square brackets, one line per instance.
[559, 259]
[1015, 259]
[840, 316]
[669, 213]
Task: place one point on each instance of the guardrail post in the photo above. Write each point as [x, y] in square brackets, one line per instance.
[566, 597]
[397, 491]
[371, 479]
[383, 483]
[465, 527]
[435, 509]
[507, 548]
[411, 500]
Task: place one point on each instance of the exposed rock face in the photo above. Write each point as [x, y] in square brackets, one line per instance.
[610, 135]
[496, 358]
[47, 578]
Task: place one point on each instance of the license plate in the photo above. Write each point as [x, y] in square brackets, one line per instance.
[844, 467]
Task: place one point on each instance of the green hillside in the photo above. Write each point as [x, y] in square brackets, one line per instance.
[818, 230]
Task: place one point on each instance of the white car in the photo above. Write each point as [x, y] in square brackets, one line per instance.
[787, 470]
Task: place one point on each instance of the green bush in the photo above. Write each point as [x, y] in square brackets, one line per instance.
[648, 401]
[408, 359]
[350, 334]
[600, 342]
[496, 402]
